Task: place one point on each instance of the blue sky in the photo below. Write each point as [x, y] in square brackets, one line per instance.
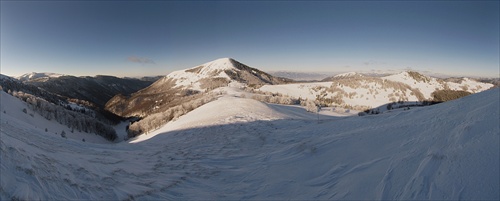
[135, 38]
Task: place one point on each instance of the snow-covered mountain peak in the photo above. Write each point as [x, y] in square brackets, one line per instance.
[348, 74]
[219, 73]
[191, 77]
[220, 62]
[214, 66]
[35, 75]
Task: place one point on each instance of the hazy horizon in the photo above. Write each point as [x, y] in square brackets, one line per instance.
[455, 38]
[273, 72]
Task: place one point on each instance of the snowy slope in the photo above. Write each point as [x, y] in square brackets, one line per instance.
[11, 110]
[303, 90]
[183, 83]
[190, 77]
[469, 85]
[240, 111]
[427, 85]
[226, 69]
[446, 151]
[361, 92]
[231, 108]
[361, 95]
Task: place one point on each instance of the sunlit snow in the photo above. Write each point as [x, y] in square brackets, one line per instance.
[236, 148]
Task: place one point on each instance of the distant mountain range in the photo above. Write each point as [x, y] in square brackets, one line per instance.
[140, 97]
[38, 76]
[201, 134]
[344, 76]
[131, 97]
[97, 90]
[361, 92]
[301, 76]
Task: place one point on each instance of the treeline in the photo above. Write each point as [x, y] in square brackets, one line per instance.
[213, 83]
[418, 77]
[72, 119]
[97, 90]
[373, 84]
[438, 96]
[447, 95]
[155, 121]
[334, 95]
[10, 85]
[159, 96]
[277, 98]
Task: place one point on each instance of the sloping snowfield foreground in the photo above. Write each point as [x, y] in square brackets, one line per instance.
[236, 148]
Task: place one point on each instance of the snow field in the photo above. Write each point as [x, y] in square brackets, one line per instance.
[232, 108]
[13, 108]
[303, 90]
[213, 69]
[428, 87]
[237, 148]
[371, 94]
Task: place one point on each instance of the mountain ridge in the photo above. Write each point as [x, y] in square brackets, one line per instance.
[176, 85]
[364, 92]
[220, 69]
[38, 76]
[95, 89]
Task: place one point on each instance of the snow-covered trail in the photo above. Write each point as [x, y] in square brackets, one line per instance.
[445, 151]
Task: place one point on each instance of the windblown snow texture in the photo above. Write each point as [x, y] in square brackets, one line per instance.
[258, 151]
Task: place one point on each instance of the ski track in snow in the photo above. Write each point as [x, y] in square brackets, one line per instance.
[258, 151]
